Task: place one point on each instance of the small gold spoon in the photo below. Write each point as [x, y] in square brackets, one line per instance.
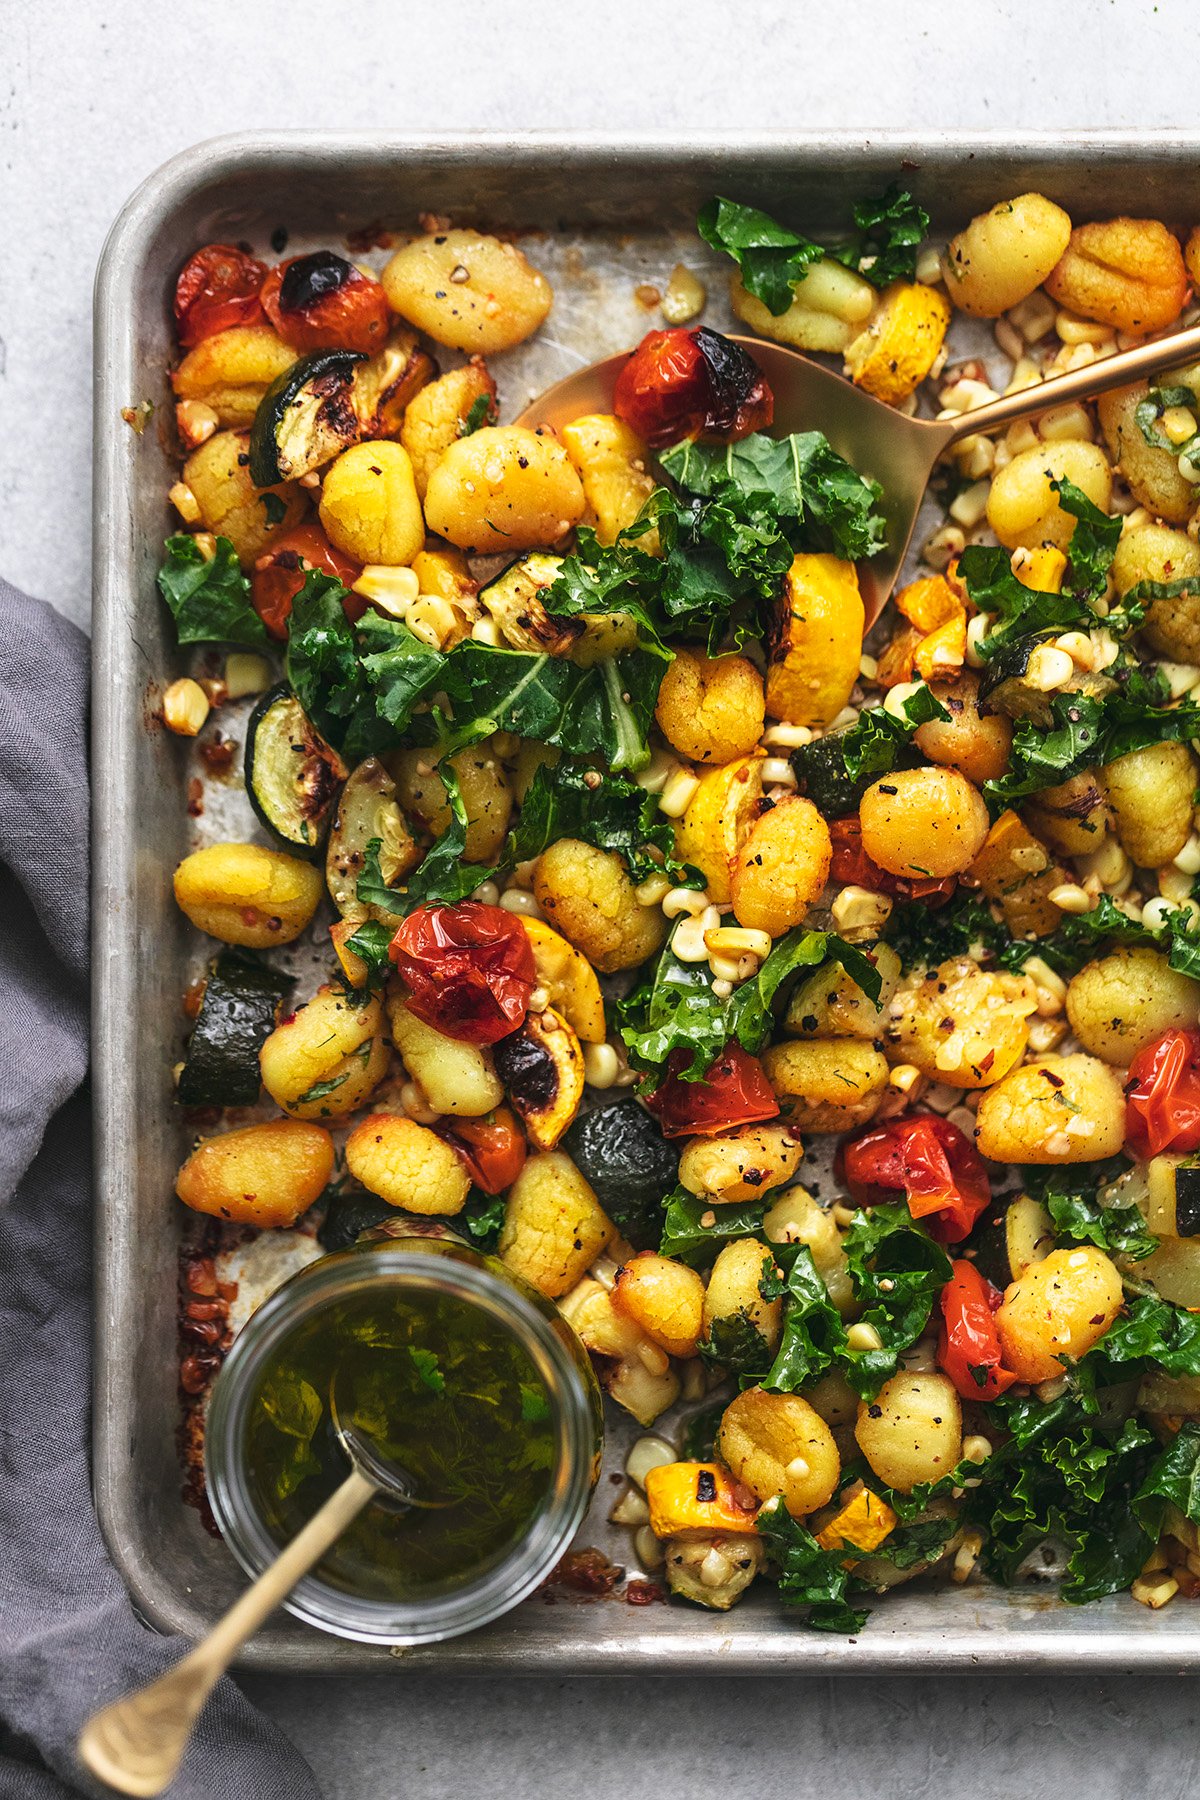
[137, 1743]
[897, 451]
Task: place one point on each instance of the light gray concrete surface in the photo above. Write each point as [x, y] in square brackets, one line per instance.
[94, 94]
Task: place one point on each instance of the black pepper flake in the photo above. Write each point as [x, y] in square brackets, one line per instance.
[875, 1412]
[884, 788]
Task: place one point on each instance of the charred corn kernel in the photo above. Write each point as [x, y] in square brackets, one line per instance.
[391, 589]
[967, 1555]
[905, 1077]
[1078, 646]
[688, 941]
[861, 1522]
[185, 707]
[858, 911]
[601, 1065]
[245, 674]
[695, 1499]
[738, 940]
[1070, 898]
[631, 1509]
[185, 503]
[678, 792]
[685, 296]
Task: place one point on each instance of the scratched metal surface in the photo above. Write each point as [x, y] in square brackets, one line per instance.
[614, 213]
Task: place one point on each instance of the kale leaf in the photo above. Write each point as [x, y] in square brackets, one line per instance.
[922, 937]
[1071, 1195]
[897, 1272]
[888, 234]
[609, 811]
[1173, 1479]
[816, 498]
[772, 258]
[689, 1241]
[813, 1334]
[210, 599]
[808, 1575]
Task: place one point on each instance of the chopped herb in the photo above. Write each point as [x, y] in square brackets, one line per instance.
[425, 1362]
[478, 415]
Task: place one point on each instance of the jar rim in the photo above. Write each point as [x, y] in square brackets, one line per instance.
[321, 1286]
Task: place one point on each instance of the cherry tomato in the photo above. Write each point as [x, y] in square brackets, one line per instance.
[1162, 1096]
[493, 1148]
[469, 969]
[681, 384]
[322, 302]
[852, 866]
[217, 288]
[279, 576]
[939, 1171]
[969, 1344]
[734, 1092]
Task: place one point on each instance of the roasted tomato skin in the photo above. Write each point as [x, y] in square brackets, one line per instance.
[493, 1148]
[928, 1160]
[1162, 1096]
[217, 288]
[968, 1344]
[280, 574]
[851, 866]
[322, 302]
[469, 969]
[735, 1091]
[686, 384]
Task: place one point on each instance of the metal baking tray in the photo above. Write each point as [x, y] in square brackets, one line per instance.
[616, 211]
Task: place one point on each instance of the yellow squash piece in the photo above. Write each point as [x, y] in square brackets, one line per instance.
[542, 1068]
[901, 342]
[928, 603]
[861, 1522]
[1015, 869]
[613, 464]
[719, 819]
[693, 1499]
[569, 979]
[815, 641]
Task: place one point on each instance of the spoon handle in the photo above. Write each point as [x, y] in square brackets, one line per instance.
[1078, 384]
[137, 1743]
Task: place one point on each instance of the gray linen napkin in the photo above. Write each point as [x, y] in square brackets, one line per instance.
[68, 1638]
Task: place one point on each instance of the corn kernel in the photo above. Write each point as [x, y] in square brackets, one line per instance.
[185, 503]
[685, 296]
[185, 707]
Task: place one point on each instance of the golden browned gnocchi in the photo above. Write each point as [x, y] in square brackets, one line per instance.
[1004, 254]
[587, 895]
[231, 371]
[369, 505]
[710, 708]
[1073, 815]
[830, 307]
[264, 1175]
[455, 1077]
[734, 1300]
[407, 1165]
[1150, 793]
[1160, 554]
[1127, 273]
[1059, 1109]
[467, 290]
[325, 1059]
[246, 895]
[827, 1086]
[230, 505]
[1123, 1001]
[1023, 508]
[781, 867]
[504, 488]
[1058, 1307]
[437, 416]
[1152, 470]
[923, 823]
[554, 1226]
[973, 741]
[665, 1298]
[777, 1444]
[911, 1431]
[741, 1165]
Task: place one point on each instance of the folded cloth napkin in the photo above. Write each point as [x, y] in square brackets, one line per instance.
[69, 1640]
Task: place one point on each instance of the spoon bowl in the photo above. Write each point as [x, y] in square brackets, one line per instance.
[395, 1486]
[896, 451]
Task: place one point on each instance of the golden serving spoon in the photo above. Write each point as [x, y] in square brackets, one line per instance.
[898, 452]
[137, 1743]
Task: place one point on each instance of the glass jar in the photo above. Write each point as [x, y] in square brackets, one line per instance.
[392, 1273]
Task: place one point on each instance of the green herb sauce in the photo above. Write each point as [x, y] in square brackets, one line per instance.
[441, 1388]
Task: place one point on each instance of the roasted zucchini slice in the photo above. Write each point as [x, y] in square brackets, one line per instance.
[821, 774]
[1172, 1205]
[305, 418]
[541, 1066]
[292, 774]
[237, 1014]
[367, 809]
[1019, 1232]
[512, 601]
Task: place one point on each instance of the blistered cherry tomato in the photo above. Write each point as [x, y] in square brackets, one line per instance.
[735, 1091]
[493, 1148]
[279, 575]
[1162, 1096]
[685, 384]
[928, 1160]
[469, 969]
[217, 288]
[322, 302]
[851, 866]
[969, 1344]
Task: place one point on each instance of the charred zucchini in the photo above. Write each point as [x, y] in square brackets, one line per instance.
[512, 601]
[621, 1152]
[541, 1066]
[348, 1215]
[367, 810]
[821, 774]
[1173, 1196]
[1005, 687]
[292, 774]
[1017, 1233]
[305, 418]
[237, 1014]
